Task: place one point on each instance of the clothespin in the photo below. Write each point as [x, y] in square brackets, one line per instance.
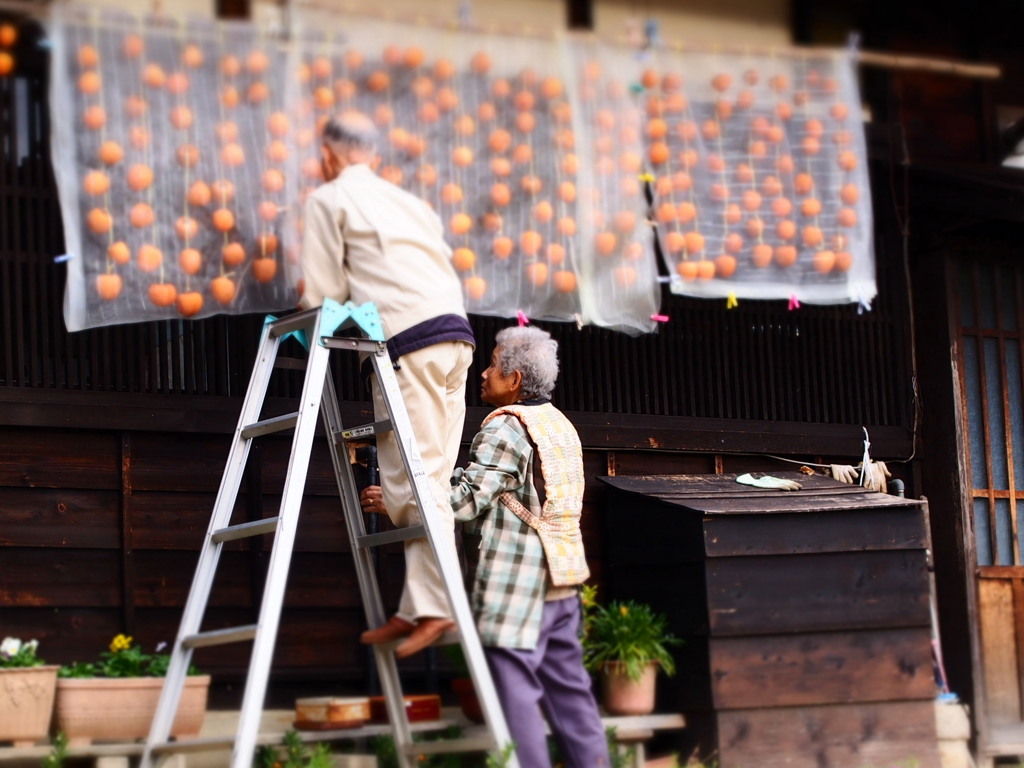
[63, 257]
[863, 305]
[465, 14]
[794, 303]
[646, 177]
[665, 278]
[731, 302]
[659, 318]
[579, 321]
[866, 458]
[522, 318]
[651, 33]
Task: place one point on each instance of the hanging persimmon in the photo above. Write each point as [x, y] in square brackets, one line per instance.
[149, 258]
[232, 254]
[537, 273]
[99, 221]
[162, 294]
[530, 242]
[463, 259]
[460, 223]
[823, 261]
[95, 117]
[110, 152]
[725, 265]
[687, 270]
[190, 260]
[567, 226]
[189, 304]
[96, 183]
[476, 287]
[141, 215]
[264, 269]
[502, 247]
[119, 253]
[761, 255]
[543, 211]
[564, 281]
[108, 286]
[223, 289]
[223, 220]
[140, 177]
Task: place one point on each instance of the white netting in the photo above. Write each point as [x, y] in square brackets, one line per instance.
[183, 152]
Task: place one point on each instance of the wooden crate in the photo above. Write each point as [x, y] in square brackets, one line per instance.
[805, 614]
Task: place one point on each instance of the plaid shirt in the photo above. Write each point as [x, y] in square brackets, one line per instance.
[511, 575]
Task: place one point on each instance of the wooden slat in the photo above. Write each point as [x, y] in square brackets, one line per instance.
[822, 668]
[838, 736]
[998, 650]
[59, 518]
[816, 593]
[50, 459]
[809, 532]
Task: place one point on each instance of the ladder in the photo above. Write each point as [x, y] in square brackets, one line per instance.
[314, 329]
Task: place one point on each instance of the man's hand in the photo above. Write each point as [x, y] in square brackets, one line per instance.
[372, 500]
[767, 481]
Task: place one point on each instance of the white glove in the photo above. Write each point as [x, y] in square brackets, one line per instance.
[767, 481]
[844, 473]
[873, 476]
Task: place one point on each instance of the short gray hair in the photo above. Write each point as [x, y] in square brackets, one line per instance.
[532, 352]
[352, 129]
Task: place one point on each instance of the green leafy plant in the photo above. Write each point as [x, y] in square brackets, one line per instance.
[15, 653]
[122, 659]
[628, 633]
[297, 754]
[59, 753]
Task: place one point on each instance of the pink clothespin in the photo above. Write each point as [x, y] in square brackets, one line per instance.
[659, 318]
[522, 318]
[794, 303]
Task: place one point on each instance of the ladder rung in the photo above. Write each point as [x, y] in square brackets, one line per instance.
[269, 426]
[296, 322]
[221, 636]
[390, 537]
[444, 746]
[364, 431]
[245, 530]
[290, 363]
[353, 344]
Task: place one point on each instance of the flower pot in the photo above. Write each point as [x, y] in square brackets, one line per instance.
[468, 701]
[623, 696]
[122, 709]
[26, 703]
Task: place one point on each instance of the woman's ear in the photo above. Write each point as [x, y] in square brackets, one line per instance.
[517, 380]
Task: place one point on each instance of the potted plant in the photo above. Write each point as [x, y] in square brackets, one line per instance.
[115, 698]
[27, 687]
[626, 643]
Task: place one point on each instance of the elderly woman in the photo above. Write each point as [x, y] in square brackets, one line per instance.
[522, 493]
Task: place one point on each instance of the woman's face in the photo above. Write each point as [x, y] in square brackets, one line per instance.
[497, 389]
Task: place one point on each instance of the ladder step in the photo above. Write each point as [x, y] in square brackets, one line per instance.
[269, 426]
[390, 537]
[245, 530]
[221, 636]
[445, 746]
[290, 363]
[364, 431]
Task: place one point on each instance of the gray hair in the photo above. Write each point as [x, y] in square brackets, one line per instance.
[532, 352]
[351, 129]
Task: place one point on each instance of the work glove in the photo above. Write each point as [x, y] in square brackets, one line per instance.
[844, 473]
[873, 476]
[767, 481]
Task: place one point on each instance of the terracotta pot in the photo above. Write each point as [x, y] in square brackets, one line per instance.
[468, 701]
[122, 709]
[623, 696]
[26, 703]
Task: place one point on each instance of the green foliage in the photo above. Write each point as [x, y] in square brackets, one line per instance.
[15, 653]
[626, 632]
[122, 660]
[296, 754]
[59, 753]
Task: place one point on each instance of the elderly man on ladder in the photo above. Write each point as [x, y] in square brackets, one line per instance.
[365, 240]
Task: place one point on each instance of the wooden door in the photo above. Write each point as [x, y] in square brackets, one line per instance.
[990, 306]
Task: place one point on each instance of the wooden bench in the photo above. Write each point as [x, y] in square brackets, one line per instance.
[631, 733]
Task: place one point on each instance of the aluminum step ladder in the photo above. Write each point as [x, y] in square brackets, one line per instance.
[315, 329]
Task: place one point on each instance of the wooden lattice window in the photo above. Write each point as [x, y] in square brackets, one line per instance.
[990, 300]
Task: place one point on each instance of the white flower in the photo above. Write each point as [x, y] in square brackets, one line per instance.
[10, 647]
[160, 646]
[31, 645]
